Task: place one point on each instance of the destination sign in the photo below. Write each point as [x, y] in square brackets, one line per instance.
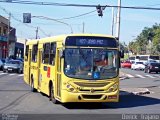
[90, 41]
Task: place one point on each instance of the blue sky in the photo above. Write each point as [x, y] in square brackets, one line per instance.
[132, 21]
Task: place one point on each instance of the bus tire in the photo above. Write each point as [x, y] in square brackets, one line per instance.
[51, 95]
[32, 85]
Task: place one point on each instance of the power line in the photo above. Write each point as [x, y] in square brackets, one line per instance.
[47, 18]
[47, 3]
[43, 32]
[77, 15]
[129, 7]
[76, 5]
[22, 21]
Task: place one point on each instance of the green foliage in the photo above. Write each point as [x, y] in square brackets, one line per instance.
[147, 42]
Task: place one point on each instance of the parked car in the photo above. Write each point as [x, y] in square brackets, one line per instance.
[152, 61]
[152, 67]
[1, 64]
[137, 66]
[21, 59]
[13, 66]
[126, 64]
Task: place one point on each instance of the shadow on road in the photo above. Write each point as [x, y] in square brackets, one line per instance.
[126, 101]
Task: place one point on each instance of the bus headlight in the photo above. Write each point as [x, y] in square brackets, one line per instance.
[70, 88]
[113, 88]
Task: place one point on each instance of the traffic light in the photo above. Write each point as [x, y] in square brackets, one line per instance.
[26, 17]
[99, 10]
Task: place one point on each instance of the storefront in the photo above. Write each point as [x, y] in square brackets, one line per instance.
[3, 49]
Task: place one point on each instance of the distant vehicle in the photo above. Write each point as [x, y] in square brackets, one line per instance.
[126, 64]
[152, 67]
[1, 64]
[134, 58]
[151, 61]
[13, 66]
[146, 58]
[137, 66]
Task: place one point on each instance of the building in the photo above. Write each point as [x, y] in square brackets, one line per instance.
[7, 38]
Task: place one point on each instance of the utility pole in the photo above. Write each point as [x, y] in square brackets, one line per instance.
[37, 33]
[83, 27]
[112, 23]
[9, 23]
[118, 20]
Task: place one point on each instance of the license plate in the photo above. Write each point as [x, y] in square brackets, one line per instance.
[156, 67]
[10, 69]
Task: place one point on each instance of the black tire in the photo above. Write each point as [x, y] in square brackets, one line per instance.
[156, 72]
[32, 86]
[149, 71]
[51, 95]
[4, 70]
[19, 71]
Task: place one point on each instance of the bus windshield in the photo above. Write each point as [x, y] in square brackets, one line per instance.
[91, 63]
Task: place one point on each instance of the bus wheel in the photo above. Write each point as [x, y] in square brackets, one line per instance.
[32, 87]
[51, 95]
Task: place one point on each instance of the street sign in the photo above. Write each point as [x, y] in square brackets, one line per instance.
[26, 17]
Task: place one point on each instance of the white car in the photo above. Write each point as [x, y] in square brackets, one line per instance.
[138, 66]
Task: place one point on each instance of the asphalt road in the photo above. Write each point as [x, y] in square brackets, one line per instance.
[16, 98]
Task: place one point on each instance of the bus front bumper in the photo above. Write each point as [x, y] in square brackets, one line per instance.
[89, 97]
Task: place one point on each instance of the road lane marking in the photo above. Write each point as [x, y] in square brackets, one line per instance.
[12, 74]
[157, 75]
[140, 76]
[2, 73]
[21, 75]
[150, 76]
[129, 75]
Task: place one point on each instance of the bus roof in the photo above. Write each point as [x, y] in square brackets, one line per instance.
[61, 38]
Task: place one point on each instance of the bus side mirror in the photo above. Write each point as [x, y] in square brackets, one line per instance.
[121, 54]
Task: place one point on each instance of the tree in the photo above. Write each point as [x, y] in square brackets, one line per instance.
[148, 41]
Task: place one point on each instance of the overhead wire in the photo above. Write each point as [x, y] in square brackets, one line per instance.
[76, 5]
[20, 21]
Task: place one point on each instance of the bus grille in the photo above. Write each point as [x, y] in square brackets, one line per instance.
[91, 96]
[91, 84]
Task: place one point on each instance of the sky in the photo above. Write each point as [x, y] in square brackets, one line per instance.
[132, 21]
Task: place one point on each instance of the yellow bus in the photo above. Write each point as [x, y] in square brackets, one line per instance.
[74, 67]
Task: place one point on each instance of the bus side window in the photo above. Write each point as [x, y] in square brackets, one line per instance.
[34, 53]
[52, 54]
[46, 50]
[26, 53]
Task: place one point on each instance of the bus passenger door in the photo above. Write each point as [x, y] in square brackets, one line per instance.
[39, 68]
[27, 67]
[58, 75]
